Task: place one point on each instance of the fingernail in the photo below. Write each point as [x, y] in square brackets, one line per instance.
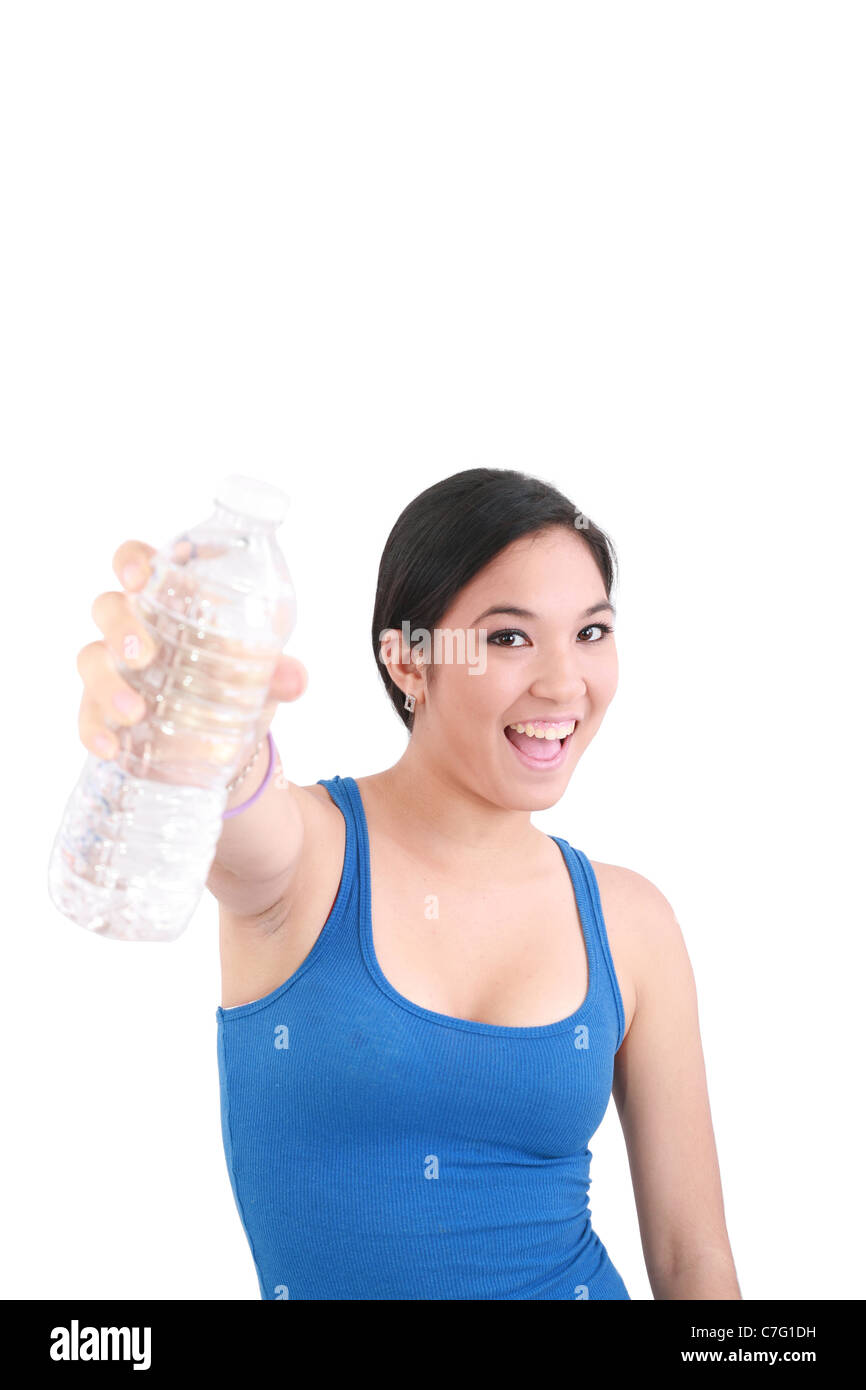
[132, 575]
[103, 744]
[128, 703]
[132, 647]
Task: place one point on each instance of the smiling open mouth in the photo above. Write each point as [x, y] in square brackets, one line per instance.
[542, 754]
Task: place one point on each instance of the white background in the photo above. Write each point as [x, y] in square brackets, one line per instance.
[354, 248]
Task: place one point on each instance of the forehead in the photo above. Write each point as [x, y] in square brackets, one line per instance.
[546, 570]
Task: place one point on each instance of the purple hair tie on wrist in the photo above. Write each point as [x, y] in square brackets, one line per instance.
[236, 810]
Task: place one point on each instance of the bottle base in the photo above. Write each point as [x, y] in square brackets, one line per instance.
[131, 857]
[105, 912]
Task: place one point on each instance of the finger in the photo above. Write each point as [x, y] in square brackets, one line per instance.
[116, 698]
[93, 731]
[289, 681]
[127, 638]
[132, 564]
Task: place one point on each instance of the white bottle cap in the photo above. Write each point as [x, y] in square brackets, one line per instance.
[252, 498]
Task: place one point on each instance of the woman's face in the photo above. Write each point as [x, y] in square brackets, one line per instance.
[553, 662]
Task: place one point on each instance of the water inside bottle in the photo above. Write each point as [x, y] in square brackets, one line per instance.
[204, 688]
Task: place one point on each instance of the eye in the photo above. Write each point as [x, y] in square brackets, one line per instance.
[603, 628]
[498, 637]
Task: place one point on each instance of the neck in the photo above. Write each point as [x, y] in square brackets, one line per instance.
[428, 801]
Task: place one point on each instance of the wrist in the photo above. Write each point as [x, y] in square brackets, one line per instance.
[248, 784]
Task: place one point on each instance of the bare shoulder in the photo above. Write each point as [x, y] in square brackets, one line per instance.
[633, 897]
[324, 837]
[316, 807]
[641, 928]
[318, 792]
[324, 844]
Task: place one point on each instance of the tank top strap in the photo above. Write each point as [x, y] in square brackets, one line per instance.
[595, 924]
[339, 791]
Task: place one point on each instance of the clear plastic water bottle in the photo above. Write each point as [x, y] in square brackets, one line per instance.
[140, 831]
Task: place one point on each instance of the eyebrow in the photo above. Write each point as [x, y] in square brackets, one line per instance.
[515, 612]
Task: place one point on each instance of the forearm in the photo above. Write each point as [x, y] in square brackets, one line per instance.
[709, 1274]
[264, 840]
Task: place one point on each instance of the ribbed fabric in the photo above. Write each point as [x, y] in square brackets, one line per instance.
[379, 1150]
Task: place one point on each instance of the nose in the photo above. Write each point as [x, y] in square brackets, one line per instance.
[560, 679]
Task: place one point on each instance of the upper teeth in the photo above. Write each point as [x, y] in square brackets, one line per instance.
[542, 730]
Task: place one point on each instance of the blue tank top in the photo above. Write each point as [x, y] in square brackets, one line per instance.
[379, 1150]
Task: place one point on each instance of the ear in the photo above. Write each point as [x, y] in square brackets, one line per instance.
[405, 667]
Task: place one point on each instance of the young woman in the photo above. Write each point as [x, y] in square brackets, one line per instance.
[427, 1001]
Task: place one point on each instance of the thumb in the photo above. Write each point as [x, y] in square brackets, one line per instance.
[289, 681]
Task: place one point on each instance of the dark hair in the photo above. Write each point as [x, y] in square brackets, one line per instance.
[451, 531]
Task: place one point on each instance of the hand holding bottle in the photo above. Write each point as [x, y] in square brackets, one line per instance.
[177, 695]
[109, 702]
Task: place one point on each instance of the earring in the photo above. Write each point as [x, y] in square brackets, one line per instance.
[409, 703]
